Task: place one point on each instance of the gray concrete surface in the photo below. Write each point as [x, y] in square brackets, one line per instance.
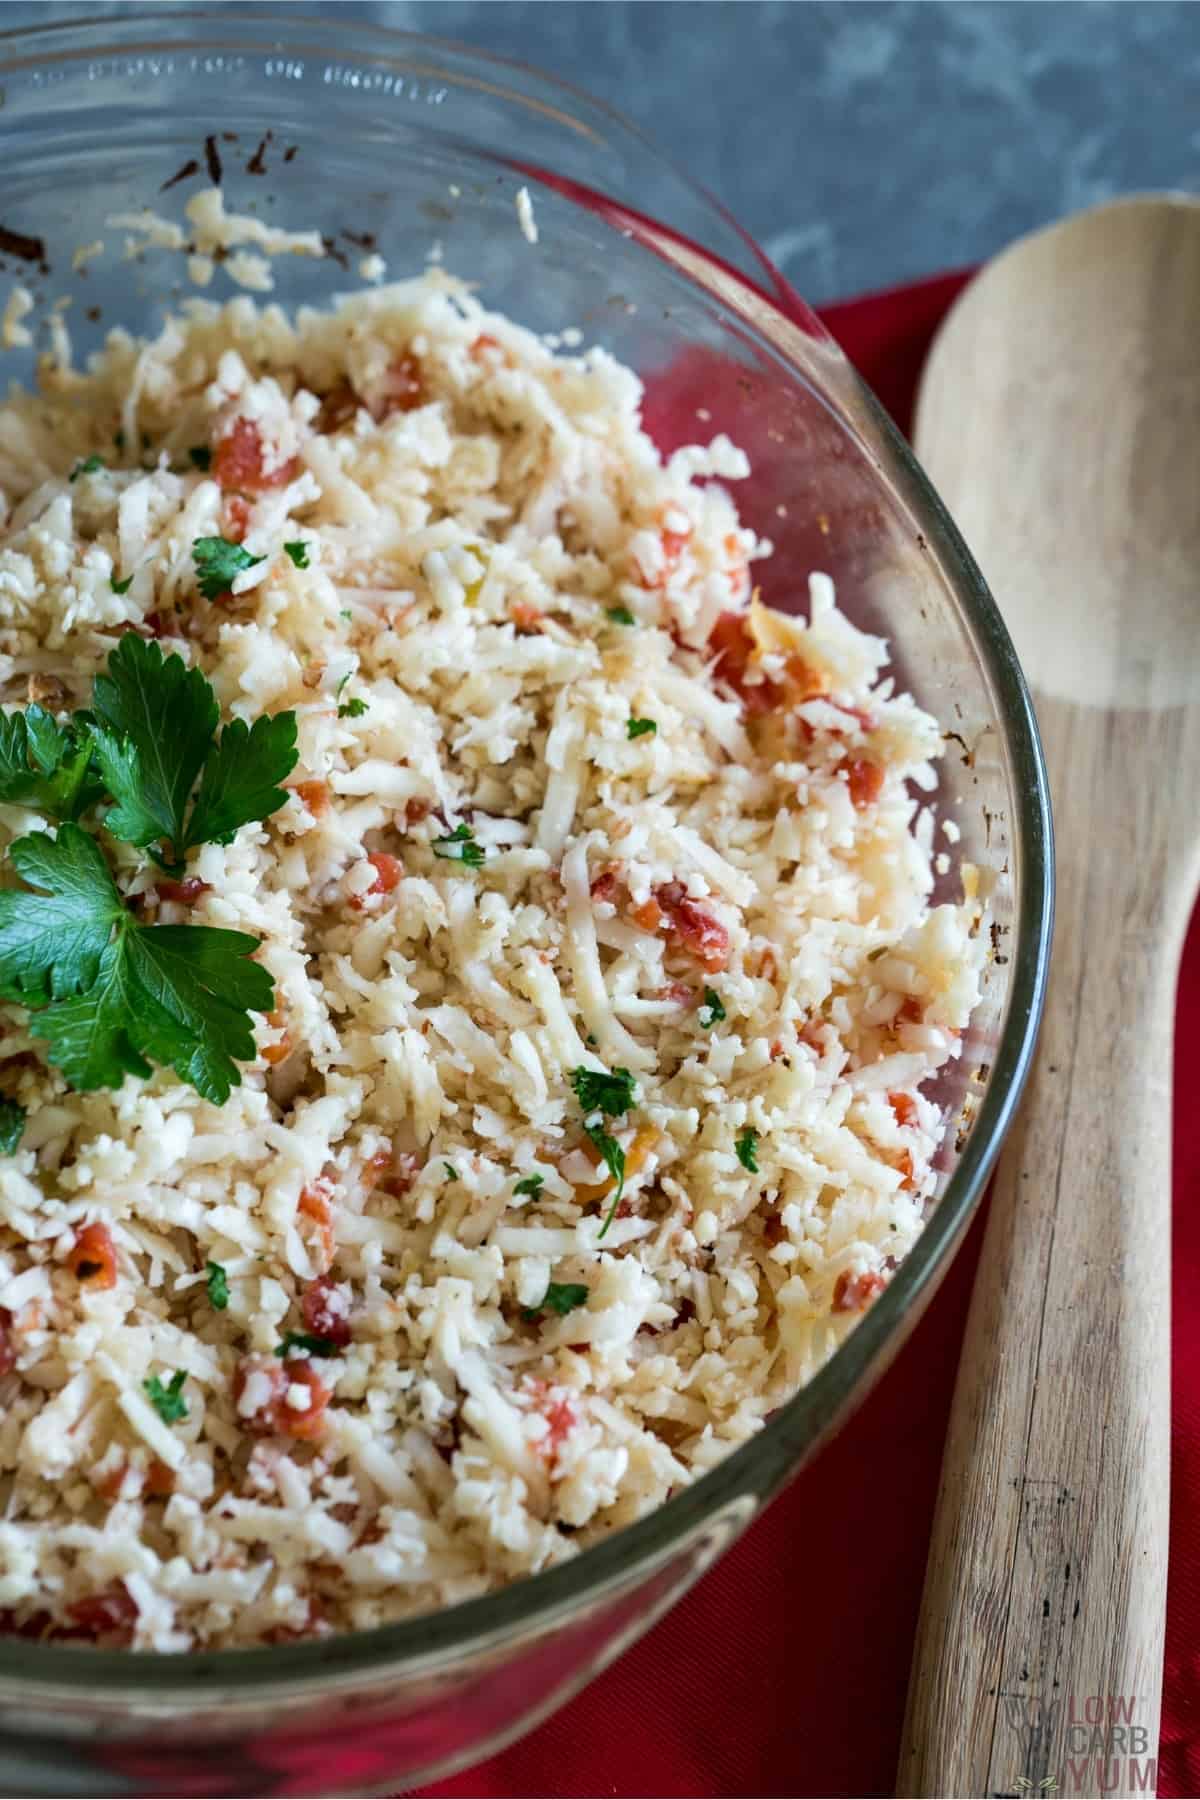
[865, 144]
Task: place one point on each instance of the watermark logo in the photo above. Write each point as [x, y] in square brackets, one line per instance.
[1102, 1746]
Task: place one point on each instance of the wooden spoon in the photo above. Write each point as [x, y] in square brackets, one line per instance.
[1059, 418]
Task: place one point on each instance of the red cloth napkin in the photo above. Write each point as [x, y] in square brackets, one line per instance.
[784, 1671]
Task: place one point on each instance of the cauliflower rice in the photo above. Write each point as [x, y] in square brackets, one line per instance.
[731, 903]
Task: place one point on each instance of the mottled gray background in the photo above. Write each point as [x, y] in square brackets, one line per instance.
[864, 144]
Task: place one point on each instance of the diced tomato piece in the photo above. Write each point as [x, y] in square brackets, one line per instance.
[389, 871]
[859, 714]
[911, 1011]
[266, 1380]
[648, 916]
[904, 1108]
[278, 1052]
[416, 812]
[853, 1293]
[561, 1418]
[111, 1613]
[93, 1257]
[185, 892]
[239, 463]
[314, 1203]
[326, 1310]
[237, 518]
[392, 1172]
[403, 387]
[680, 993]
[734, 645]
[315, 795]
[110, 1483]
[904, 1163]
[486, 348]
[864, 778]
[8, 1350]
[697, 930]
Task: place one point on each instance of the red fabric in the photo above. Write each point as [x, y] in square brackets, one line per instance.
[784, 1671]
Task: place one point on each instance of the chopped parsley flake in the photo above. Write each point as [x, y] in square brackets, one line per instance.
[636, 728]
[304, 1340]
[88, 466]
[121, 587]
[352, 709]
[712, 1009]
[597, 1091]
[451, 1171]
[747, 1147]
[12, 1124]
[613, 1157]
[459, 846]
[561, 1297]
[218, 1286]
[218, 560]
[200, 457]
[621, 615]
[168, 1402]
[298, 552]
[345, 613]
[530, 1184]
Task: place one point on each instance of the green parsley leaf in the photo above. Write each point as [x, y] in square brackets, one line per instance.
[451, 1171]
[298, 552]
[168, 1401]
[346, 614]
[529, 1184]
[88, 466]
[636, 728]
[52, 942]
[561, 1297]
[304, 1340]
[747, 1147]
[62, 782]
[620, 615]
[352, 709]
[218, 1286]
[613, 1157]
[12, 1124]
[712, 1006]
[120, 587]
[156, 720]
[200, 457]
[459, 846]
[597, 1091]
[154, 735]
[217, 561]
[242, 778]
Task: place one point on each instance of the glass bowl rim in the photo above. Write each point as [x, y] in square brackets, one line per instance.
[431, 1640]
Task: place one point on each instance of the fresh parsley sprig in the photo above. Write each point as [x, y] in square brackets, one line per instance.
[459, 846]
[599, 1092]
[155, 734]
[47, 766]
[561, 1297]
[217, 561]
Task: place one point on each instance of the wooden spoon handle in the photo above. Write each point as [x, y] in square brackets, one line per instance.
[1045, 1588]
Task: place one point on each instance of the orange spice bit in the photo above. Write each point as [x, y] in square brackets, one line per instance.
[904, 1107]
[274, 1054]
[237, 518]
[315, 795]
[93, 1258]
[403, 387]
[239, 462]
[315, 1204]
[864, 778]
[648, 916]
[854, 1293]
[525, 616]
[389, 872]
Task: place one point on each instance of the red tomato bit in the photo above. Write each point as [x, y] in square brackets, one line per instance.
[238, 462]
[734, 645]
[853, 1293]
[388, 873]
[273, 1414]
[696, 929]
[403, 387]
[109, 1614]
[864, 778]
[326, 1310]
[904, 1107]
